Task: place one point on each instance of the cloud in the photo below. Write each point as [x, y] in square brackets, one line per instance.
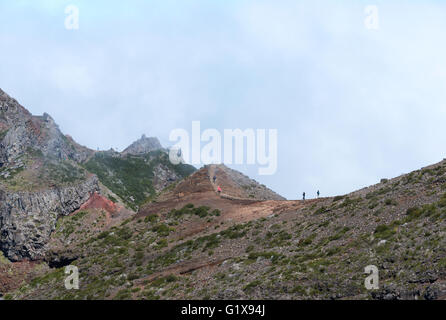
[72, 79]
[351, 105]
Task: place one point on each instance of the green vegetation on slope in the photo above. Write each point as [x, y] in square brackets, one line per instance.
[37, 171]
[131, 177]
[316, 252]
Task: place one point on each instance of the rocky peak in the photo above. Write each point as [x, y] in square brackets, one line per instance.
[20, 131]
[143, 145]
[47, 118]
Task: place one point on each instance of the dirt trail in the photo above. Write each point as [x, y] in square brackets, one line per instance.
[229, 189]
[200, 190]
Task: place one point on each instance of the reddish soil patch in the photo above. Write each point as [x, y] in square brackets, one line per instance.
[114, 213]
[199, 190]
[97, 201]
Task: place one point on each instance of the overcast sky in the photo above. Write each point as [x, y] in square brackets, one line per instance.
[351, 105]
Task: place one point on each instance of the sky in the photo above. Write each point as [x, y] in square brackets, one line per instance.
[351, 104]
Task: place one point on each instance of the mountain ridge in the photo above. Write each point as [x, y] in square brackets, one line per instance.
[190, 241]
[44, 175]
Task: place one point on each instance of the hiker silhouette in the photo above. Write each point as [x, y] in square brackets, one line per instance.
[318, 194]
[303, 196]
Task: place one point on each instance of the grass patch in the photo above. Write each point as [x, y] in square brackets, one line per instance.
[387, 231]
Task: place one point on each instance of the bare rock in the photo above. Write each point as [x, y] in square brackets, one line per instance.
[28, 218]
[143, 146]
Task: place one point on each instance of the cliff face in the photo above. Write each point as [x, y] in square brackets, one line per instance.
[40, 179]
[45, 174]
[27, 219]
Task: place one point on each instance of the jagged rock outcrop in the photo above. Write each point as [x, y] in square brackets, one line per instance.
[21, 132]
[143, 145]
[28, 218]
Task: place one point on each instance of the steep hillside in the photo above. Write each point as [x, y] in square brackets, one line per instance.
[34, 154]
[21, 133]
[135, 178]
[234, 183]
[40, 179]
[61, 203]
[193, 243]
[45, 175]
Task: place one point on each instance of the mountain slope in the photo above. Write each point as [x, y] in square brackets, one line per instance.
[45, 175]
[21, 132]
[192, 244]
[40, 179]
[235, 184]
[135, 178]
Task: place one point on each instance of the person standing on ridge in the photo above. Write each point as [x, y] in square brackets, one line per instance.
[303, 196]
[318, 194]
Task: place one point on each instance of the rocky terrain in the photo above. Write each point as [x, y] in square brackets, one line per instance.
[40, 179]
[238, 185]
[192, 243]
[22, 133]
[28, 218]
[135, 178]
[64, 204]
[143, 146]
[44, 176]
